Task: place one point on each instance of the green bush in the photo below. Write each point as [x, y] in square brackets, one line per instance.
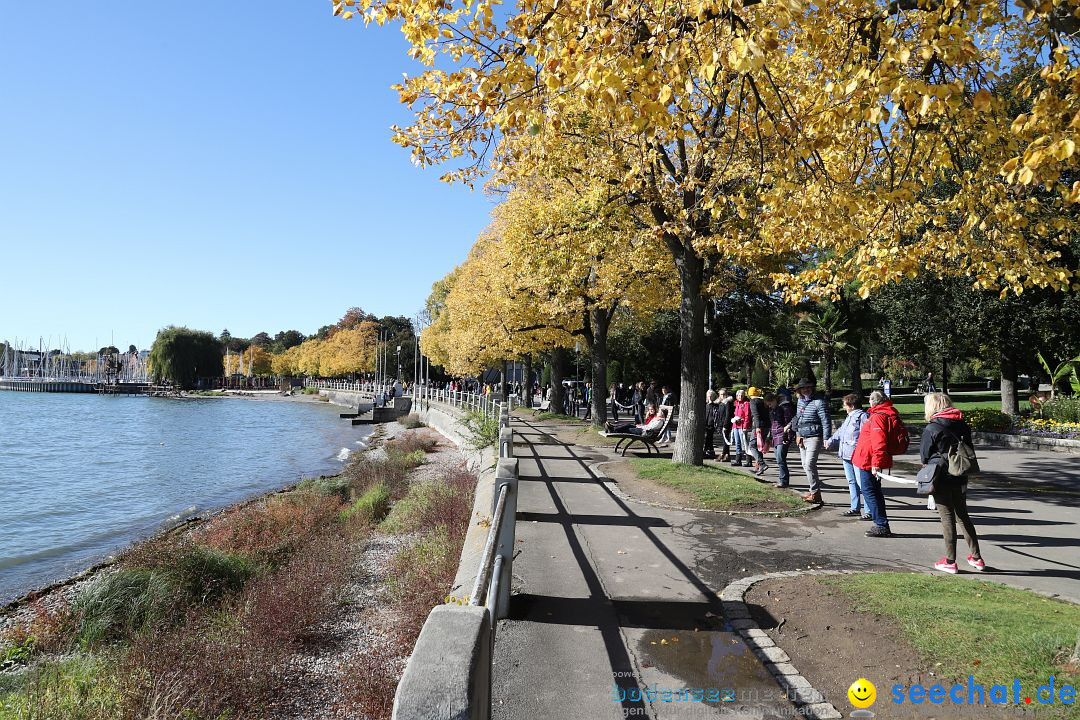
[310, 391]
[412, 422]
[482, 431]
[988, 420]
[205, 575]
[373, 504]
[1062, 409]
[327, 486]
[18, 653]
[76, 688]
[123, 602]
[119, 604]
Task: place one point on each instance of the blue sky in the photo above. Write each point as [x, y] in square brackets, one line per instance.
[211, 164]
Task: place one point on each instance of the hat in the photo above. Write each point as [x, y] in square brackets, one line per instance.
[806, 382]
[753, 392]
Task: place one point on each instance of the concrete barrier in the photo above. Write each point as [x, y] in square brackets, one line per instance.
[448, 676]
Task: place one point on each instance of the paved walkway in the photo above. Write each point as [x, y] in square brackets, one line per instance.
[611, 596]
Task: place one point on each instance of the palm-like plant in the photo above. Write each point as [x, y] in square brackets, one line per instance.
[1065, 369]
[785, 368]
[745, 348]
[823, 335]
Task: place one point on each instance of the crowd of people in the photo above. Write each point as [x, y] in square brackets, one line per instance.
[750, 424]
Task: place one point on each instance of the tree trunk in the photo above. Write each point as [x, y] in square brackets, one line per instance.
[504, 386]
[944, 373]
[856, 366]
[749, 377]
[558, 371]
[600, 322]
[1010, 403]
[526, 385]
[828, 374]
[690, 439]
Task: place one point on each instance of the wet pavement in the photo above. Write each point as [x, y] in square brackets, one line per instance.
[616, 609]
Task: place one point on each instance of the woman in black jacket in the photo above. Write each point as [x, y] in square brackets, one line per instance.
[944, 432]
[725, 408]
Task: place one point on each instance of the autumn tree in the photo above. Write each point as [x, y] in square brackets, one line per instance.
[805, 143]
[583, 257]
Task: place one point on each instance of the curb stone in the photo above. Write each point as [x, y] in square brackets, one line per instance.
[810, 701]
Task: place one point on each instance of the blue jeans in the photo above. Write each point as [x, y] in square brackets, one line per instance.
[780, 453]
[737, 440]
[873, 497]
[853, 484]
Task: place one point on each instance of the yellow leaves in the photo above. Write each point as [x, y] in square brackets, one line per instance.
[1064, 149]
[1072, 196]
[982, 100]
[745, 55]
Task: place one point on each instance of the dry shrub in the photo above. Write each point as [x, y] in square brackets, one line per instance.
[270, 529]
[49, 627]
[410, 442]
[366, 472]
[370, 679]
[230, 663]
[421, 573]
[286, 607]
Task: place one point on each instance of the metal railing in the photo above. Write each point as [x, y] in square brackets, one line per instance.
[490, 405]
[349, 385]
[496, 564]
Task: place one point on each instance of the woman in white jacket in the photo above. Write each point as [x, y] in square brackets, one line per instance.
[845, 439]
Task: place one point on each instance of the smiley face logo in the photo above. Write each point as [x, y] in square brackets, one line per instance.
[862, 693]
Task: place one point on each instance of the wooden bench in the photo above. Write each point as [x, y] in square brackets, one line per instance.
[647, 439]
[544, 405]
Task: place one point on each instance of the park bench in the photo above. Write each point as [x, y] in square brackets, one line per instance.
[647, 439]
[544, 405]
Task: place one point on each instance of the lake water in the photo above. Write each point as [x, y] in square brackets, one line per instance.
[82, 476]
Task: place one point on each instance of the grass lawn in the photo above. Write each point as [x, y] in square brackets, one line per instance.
[715, 488]
[990, 631]
[911, 409]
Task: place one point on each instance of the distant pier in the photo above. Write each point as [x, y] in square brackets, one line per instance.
[74, 386]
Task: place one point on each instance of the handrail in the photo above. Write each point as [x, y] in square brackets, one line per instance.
[487, 560]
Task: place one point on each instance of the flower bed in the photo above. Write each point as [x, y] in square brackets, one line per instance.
[1035, 427]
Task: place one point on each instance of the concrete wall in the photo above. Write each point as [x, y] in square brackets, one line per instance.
[348, 398]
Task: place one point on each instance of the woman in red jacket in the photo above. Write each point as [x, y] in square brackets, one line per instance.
[740, 421]
[872, 455]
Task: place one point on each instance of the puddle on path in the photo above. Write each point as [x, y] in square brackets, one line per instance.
[732, 679]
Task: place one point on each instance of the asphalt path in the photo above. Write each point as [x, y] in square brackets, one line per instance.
[616, 601]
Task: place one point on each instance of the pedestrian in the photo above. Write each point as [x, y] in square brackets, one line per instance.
[588, 401]
[811, 426]
[946, 433]
[781, 414]
[930, 382]
[638, 401]
[881, 436]
[614, 398]
[844, 441]
[740, 420]
[712, 414]
[758, 434]
[723, 422]
[666, 396]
